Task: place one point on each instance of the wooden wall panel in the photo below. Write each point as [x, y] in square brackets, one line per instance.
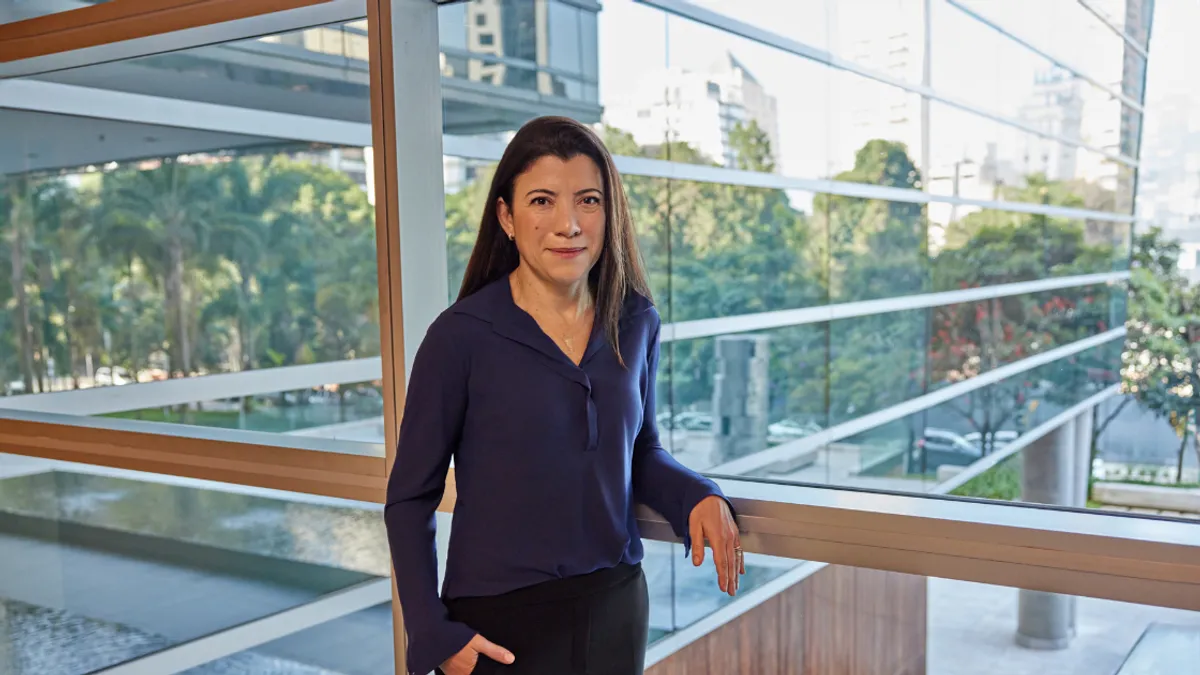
[840, 621]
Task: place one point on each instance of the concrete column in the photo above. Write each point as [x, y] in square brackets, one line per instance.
[741, 393]
[1083, 460]
[1048, 477]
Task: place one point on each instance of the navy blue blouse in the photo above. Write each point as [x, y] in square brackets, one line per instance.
[549, 457]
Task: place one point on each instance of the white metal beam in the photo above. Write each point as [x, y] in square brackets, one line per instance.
[689, 330]
[104, 400]
[67, 99]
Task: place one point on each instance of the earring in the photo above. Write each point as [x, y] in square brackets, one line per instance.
[511, 238]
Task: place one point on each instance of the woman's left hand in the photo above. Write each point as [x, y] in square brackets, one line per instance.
[712, 520]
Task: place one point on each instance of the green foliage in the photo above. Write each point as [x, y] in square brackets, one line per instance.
[1002, 482]
[191, 265]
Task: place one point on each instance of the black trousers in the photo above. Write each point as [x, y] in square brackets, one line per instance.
[594, 624]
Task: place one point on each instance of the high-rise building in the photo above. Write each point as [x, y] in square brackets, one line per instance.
[700, 107]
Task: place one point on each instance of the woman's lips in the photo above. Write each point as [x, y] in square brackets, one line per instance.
[567, 252]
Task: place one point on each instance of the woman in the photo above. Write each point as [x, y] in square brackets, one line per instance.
[539, 382]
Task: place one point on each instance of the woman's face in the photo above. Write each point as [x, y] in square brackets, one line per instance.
[557, 218]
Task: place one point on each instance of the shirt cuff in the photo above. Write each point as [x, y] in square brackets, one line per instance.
[430, 648]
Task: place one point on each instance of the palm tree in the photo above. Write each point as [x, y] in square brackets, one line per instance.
[170, 208]
[20, 229]
[255, 193]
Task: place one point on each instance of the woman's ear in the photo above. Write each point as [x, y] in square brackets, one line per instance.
[504, 214]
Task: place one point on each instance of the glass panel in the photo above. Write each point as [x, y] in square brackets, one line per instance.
[103, 565]
[807, 22]
[18, 10]
[361, 643]
[145, 252]
[1065, 30]
[682, 594]
[984, 67]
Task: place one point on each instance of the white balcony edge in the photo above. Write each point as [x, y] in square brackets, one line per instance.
[699, 328]
[104, 400]
[687, 10]
[744, 465]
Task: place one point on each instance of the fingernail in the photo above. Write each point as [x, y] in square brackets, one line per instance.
[508, 657]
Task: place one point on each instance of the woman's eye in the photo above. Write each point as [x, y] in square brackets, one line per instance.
[540, 201]
[591, 201]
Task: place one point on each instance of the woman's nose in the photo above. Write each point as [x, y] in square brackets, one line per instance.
[569, 225]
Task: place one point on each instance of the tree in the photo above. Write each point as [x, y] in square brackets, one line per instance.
[20, 219]
[171, 205]
[1162, 345]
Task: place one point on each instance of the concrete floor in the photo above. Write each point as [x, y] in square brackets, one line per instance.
[971, 629]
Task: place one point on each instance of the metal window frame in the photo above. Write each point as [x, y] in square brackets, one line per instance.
[1111, 25]
[1029, 46]
[120, 20]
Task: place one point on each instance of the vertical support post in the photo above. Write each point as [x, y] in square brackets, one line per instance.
[1044, 620]
[1083, 457]
[406, 116]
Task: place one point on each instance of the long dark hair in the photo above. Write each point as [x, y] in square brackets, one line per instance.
[619, 270]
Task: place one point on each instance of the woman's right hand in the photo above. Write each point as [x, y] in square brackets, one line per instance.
[463, 663]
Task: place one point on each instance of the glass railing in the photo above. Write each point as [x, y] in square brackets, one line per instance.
[100, 567]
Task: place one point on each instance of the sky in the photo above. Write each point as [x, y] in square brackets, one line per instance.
[817, 104]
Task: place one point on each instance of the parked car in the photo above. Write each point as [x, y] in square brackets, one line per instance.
[789, 429]
[694, 421]
[1000, 438]
[939, 447]
[114, 376]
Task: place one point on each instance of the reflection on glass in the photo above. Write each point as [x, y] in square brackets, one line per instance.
[977, 158]
[361, 643]
[101, 566]
[352, 411]
[19, 10]
[514, 48]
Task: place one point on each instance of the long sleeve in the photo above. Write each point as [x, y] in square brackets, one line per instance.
[659, 480]
[433, 417]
